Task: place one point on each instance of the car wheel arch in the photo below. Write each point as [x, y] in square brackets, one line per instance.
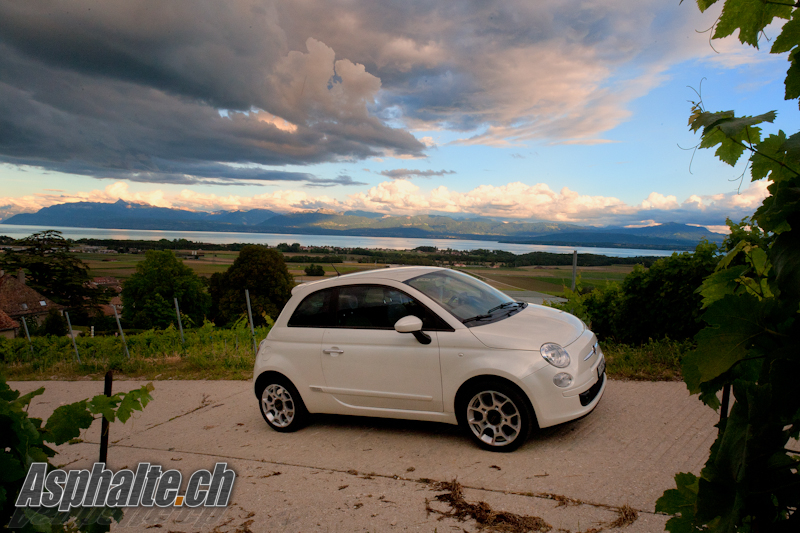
[264, 378]
[470, 384]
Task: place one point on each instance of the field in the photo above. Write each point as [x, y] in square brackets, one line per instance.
[550, 279]
[122, 266]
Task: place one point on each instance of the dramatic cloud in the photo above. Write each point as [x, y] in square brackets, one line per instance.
[513, 201]
[404, 173]
[172, 92]
[179, 91]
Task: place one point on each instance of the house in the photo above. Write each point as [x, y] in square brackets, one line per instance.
[19, 301]
[8, 326]
[115, 285]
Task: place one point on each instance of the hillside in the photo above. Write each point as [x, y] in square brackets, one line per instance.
[126, 215]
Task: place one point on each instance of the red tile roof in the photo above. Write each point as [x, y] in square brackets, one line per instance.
[17, 299]
[6, 322]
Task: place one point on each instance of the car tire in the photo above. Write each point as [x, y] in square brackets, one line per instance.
[495, 415]
[281, 405]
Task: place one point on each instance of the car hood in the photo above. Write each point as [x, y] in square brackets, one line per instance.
[530, 328]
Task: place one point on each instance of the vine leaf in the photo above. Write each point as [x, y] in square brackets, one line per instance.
[734, 323]
[720, 284]
[134, 400]
[680, 501]
[66, 422]
[789, 36]
[750, 17]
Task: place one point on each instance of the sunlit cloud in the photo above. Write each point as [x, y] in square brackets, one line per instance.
[512, 201]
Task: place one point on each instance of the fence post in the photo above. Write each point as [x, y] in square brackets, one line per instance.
[574, 267]
[121, 333]
[104, 425]
[180, 324]
[72, 335]
[28, 335]
[250, 315]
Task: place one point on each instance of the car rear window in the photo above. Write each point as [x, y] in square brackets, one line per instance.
[314, 311]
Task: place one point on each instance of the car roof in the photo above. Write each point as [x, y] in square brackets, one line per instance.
[395, 273]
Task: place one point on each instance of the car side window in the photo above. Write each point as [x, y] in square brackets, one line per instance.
[314, 311]
[379, 307]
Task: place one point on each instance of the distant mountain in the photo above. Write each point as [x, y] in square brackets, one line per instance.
[665, 236]
[127, 215]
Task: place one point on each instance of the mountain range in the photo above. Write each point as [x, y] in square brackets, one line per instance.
[127, 215]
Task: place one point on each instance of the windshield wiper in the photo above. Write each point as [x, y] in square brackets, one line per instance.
[476, 317]
[502, 306]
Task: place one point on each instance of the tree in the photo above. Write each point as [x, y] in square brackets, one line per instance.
[263, 272]
[314, 270]
[750, 348]
[51, 270]
[148, 295]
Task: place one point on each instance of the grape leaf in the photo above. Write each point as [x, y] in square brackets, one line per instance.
[789, 36]
[786, 260]
[720, 284]
[67, 421]
[681, 503]
[104, 405]
[792, 81]
[792, 148]
[136, 399]
[734, 324]
[750, 17]
[768, 157]
[735, 126]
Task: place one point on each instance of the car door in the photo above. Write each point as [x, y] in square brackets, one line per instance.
[366, 363]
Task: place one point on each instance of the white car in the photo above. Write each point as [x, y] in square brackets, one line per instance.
[424, 343]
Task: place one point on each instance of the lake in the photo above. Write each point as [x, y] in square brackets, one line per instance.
[344, 241]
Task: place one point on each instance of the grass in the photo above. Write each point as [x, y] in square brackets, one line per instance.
[654, 361]
[551, 280]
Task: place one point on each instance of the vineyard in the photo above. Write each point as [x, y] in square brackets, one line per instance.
[207, 352]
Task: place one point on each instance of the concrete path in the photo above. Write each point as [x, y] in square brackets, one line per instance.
[355, 474]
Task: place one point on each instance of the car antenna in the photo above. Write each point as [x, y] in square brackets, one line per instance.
[334, 268]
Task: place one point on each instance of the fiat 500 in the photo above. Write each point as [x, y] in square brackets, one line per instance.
[425, 343]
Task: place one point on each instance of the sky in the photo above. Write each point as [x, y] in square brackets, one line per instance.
[531, 111]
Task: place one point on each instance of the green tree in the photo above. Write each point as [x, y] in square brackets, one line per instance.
[750, 348]
[314, 270]
[148, 295]
[263, 272]
[51, 270]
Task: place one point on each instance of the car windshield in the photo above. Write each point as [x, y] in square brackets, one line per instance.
[465, 297]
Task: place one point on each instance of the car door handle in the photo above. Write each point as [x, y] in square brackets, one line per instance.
[333, 352]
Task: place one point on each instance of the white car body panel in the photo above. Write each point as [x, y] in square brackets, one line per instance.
[413, 381]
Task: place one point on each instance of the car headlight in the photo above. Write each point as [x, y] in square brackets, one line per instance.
[555, 354]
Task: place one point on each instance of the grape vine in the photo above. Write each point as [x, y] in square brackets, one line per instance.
[750, 347]
[23, 441]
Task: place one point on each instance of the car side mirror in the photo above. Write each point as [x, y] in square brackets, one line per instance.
[412, 324]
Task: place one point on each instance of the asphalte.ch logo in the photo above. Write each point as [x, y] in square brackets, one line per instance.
[148, 487]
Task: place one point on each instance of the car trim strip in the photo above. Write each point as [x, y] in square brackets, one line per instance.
[377, 394]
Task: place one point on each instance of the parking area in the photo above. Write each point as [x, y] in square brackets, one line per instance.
[358, 474]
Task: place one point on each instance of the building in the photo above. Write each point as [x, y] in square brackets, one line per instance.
[8, 326]
[19, 301]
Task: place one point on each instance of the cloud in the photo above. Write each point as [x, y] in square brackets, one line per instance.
[512, 201]
[170, 93]
[148, 90]
[404, 173]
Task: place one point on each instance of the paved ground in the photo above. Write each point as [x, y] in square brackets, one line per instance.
[350, 474]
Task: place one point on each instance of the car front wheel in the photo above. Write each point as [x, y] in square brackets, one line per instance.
[282, 407]
[496, 416]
